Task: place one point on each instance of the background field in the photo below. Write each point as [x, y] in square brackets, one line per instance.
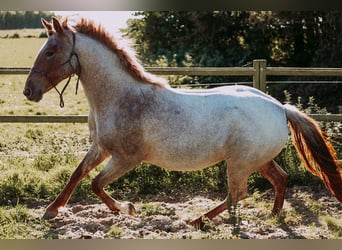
[36, 160]
[18, 52]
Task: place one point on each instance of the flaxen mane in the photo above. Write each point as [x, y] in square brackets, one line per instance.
[127, 58]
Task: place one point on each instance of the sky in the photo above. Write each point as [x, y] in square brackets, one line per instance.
[111, 20]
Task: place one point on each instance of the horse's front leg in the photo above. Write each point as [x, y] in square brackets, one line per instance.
[111, 172]
[94, 157]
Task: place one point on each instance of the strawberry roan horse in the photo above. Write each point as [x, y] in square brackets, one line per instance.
[137, 117]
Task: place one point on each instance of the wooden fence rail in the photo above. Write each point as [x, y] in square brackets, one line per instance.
[258, 72]
[84, 118]
[43, 118]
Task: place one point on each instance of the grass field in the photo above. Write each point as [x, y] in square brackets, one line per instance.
[19, 52]
[36, 160]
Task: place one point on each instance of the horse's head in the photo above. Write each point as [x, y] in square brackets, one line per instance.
[55, 62]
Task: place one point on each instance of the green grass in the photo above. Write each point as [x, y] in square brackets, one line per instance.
[334, 225]
[115, 232]
[148, 209]
[13, 102]
[19, 223]
[19, 52]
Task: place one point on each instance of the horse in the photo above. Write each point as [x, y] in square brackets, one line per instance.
[135, 116]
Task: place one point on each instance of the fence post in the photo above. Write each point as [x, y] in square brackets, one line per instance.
[259, 78]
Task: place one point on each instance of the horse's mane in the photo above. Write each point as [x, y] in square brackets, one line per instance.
[125, 54]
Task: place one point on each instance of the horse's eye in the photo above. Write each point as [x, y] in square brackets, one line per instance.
[49, 53]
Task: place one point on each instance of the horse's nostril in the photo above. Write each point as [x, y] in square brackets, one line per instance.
[27, 92]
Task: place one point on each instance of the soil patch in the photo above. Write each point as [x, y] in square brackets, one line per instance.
[306, 215]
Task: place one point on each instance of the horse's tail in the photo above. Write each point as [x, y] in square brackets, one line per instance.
[316, 152]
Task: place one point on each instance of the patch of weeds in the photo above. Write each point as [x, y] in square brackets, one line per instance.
[260, 201]
[45, 162]
[22, 185]
[18, 223]
[12, 190]
[292, 218]
[149, 209]
[115, 232]
[274, 220]
[15, 35]
[334, 225]
[40, 113]
[3, 147]
[34, 134]
[315, 206]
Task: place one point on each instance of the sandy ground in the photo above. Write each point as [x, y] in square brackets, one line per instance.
[303, 216]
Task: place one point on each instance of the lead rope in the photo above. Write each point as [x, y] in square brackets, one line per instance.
[79, 70]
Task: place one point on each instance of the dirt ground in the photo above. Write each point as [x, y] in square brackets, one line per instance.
[306, 215]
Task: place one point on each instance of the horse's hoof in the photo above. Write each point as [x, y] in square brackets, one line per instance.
[126, 208]
[198, 223]
[131, 209]
[48, 215]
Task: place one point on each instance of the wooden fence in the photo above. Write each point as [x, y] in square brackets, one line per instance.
[259, 72]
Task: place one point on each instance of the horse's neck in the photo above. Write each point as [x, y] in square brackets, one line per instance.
[103, 77]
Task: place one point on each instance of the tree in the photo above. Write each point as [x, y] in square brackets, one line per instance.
[22, 19]
[236, 38]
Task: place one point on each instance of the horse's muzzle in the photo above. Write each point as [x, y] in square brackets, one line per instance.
[33, 94]
[27, 92]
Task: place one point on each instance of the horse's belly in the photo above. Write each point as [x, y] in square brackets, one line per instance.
[184, 164]
[187, 157]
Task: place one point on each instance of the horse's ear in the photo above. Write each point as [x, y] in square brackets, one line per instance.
[57, 25]
[46, 24]
[65, 23]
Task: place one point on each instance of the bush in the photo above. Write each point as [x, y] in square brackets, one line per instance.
[148, 179]
[43, 35]
[15, 35]
[21, 186]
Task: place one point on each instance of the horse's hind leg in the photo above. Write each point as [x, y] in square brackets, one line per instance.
[112, 171]
[199, 223]
[237, 191]
[278, 178]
